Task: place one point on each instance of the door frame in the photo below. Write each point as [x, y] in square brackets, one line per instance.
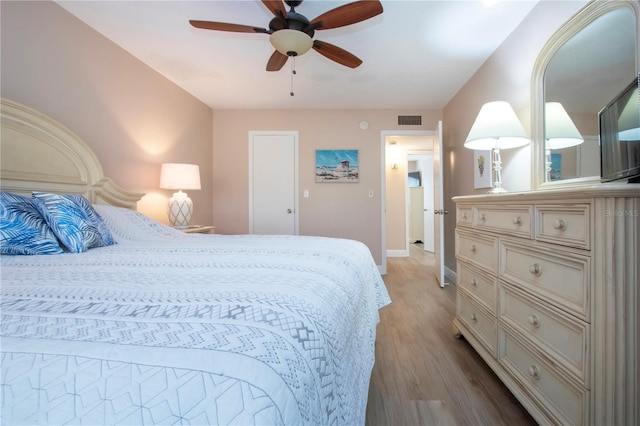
[384, 134]
[296, 209]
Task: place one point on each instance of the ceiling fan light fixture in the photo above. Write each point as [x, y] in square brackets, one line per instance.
[291, 42]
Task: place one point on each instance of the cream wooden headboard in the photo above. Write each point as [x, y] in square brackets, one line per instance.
[39, 154]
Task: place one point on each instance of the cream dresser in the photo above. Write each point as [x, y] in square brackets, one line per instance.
[548, 295]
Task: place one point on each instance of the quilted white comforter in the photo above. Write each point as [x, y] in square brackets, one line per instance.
[172, 328]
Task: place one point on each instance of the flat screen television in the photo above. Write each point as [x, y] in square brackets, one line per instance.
[619, 127]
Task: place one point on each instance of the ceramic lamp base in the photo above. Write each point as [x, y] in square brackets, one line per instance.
[179, 210]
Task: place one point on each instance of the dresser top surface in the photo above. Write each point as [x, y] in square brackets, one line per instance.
[594, 191]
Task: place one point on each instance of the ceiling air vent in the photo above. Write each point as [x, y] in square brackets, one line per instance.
[409, 120]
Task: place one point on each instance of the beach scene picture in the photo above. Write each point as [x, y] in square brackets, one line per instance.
[337, 165]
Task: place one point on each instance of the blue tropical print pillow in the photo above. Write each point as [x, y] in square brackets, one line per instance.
[23, 230]
[74, 221]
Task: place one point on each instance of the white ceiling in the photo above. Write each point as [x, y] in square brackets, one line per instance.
[416, 55]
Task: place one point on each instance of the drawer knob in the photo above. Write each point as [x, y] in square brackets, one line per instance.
[534, 372]
[474, 317]
[482, 217]
[474, 282]
[535, 269]
[464, 216]
[559, 225]
[473, 248]
[517, 220]
[534, 320]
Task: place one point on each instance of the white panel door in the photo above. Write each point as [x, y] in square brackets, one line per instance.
[438, 201]
[427, 182]
[273, 183]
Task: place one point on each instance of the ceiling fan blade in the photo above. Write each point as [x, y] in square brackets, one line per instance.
[348, 14]
[276, 61]
[336, 54]
[276, 7]
[223, 26]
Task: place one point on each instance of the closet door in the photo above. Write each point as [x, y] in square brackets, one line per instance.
[273, 183]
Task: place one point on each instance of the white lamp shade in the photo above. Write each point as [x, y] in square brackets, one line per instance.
[291, 42]
[559, 130]
[179, 176]
[496, 126]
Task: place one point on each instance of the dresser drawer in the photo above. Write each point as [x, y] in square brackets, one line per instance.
[560, 336]
[512, 220]
[464, 215]
[481, 323]
[480, 285]
[565, 401]
[562, 278]
[480, 250]
[564, 225]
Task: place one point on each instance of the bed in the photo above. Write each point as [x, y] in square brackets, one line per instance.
[163, 327]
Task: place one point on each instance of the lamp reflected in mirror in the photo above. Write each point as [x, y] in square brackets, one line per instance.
[560, 132]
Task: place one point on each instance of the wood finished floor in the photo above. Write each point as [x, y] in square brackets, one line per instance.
[423, 375]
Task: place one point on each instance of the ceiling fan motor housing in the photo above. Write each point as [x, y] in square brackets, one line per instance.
[293, 21]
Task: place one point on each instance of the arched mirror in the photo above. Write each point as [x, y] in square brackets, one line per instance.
[589, 61]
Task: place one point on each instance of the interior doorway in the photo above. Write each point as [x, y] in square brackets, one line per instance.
[408, 163]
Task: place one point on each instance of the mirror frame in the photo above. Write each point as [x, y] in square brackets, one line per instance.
[589, 13]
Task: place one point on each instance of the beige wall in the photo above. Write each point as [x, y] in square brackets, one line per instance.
[132, 117]
[332, 209]
[396, 204]
[506, 75]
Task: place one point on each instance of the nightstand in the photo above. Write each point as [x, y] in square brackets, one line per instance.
[199, 229]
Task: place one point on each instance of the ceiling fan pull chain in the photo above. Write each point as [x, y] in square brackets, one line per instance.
[293, 72]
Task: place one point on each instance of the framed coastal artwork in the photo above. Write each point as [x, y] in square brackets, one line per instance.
[337, 165]
[482, 169]
[556, 166]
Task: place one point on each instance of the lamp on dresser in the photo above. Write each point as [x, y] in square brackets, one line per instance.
[180, 176]
[496, 127]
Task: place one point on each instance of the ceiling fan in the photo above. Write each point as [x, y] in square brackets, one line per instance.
[291, 33]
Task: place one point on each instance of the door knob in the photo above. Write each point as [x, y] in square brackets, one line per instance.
[289, 211]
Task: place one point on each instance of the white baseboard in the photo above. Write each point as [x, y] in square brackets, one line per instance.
[452, 275]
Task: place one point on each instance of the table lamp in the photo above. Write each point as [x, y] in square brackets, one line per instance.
[496, 127]
[180, 176]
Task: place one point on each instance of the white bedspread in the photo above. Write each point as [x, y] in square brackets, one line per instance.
[174, 328]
